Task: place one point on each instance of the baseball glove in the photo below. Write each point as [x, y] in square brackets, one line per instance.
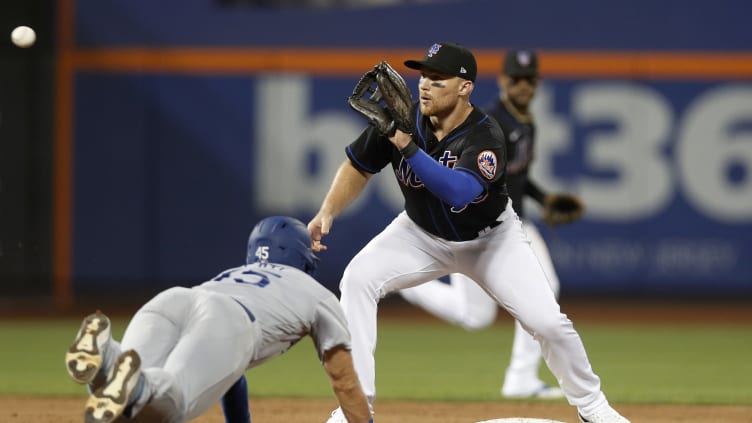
[559, 209]
[383, 83]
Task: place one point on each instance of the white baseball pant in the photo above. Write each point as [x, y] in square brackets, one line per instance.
[464, 303]
[194, 345]
[500, 260]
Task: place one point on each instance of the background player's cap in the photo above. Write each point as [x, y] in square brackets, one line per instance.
[449, 58]
[520, 63]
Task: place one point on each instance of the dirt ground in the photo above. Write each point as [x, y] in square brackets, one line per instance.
[296, 410]
[291, 410]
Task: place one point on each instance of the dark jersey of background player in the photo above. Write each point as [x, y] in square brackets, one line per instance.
[517, 85]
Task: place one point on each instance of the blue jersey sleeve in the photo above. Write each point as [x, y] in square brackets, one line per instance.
[454, 187]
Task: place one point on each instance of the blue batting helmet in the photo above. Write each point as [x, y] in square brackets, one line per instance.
[282, 240]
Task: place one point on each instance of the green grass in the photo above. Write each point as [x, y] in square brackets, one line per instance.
[433, 361]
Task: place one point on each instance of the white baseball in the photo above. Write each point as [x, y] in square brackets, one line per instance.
[23, 36]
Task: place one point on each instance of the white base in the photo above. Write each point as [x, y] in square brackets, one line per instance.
[520, 420]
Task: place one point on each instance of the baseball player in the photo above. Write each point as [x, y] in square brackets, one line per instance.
[463, 302]
[457, 219]
[187, 346]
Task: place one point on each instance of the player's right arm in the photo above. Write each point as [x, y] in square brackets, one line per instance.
[349, 182]
[339, 367]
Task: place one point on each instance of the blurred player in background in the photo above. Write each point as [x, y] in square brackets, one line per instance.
[457, 219]
[186, 347]
[463, 302]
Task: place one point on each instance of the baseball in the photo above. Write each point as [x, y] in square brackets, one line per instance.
[23, 36]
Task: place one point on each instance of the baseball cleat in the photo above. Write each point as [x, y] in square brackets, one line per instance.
[605, 414]
[337, 416]
[84, 357]
[110, 401]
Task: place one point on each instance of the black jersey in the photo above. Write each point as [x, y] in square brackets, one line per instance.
[519, 133]
[475, 147]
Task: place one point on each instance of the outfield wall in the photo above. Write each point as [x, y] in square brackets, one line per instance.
[181, 123]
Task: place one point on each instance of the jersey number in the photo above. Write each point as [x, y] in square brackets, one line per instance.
[248, 277]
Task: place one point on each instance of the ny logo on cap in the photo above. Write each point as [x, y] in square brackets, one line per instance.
[433, 50]
[523, 57]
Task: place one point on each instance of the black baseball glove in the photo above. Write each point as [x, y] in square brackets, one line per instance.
[383, 84]
[559, 209]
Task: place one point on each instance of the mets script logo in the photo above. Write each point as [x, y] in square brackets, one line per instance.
[479, 199]
[433, 50]
[487, 164]
[406, 176]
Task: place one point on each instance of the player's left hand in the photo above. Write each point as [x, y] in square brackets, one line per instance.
[383, 84]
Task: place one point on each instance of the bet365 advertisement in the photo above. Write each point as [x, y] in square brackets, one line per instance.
[187, 132]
